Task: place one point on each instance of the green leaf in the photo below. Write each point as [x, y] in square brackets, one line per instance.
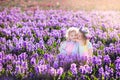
[112, 65]
[2, 25]
[57, 28]
[34, 35]
[19, 25]
[45, 38]
[3, 71]
[20, 76]
[30, 70]
[94, 78]
[63, 76]
[87, 77]
[49, 48]
[101, 47]
[114, 40]
[70, 73]
[54, 44]
[40, 51]
[103, 41]
[103, 77]
[18, 37]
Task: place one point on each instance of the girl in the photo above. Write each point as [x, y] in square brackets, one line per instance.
[70, 46]
[85, 46]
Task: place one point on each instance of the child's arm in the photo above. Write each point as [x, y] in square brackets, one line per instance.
[90, 49]
[62, 47]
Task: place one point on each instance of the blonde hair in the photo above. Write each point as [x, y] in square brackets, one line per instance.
[70, 30]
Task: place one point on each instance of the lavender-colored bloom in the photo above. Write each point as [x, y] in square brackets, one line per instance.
[82, 70]
[42, 69]
[1, 67]
[60, 71]
[46, 57]
[50, 41]
[117, 75]
[52, 71]
[73, 68]
[18, 69]
[107, 59]
[108, 72]
[88, 69]
[101, 71]
[55, 64]
[35, 55]
[23, 56]
[24, 64]
[9, 67]
[42, 61]
[96, 60]
[1, 56]
[117, 64]
[33, 61]
[22, 32]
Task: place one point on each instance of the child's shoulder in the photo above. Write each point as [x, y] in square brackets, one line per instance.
[89, 44]
[63, 42]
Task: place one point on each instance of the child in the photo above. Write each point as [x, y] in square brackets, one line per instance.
[85, 46]
[70, 46]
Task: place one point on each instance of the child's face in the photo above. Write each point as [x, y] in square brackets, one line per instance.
[80, 35]
[73, 35]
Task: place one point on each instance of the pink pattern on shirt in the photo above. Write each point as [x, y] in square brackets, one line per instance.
[69, 48]
[86, 54]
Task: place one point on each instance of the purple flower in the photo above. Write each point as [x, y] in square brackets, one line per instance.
[82, 70]
[9, 57]
[50, 41]
[96, 60]
[9, 67]
[35, 55]
[88, 69]
[42, 61]
[117, 75]
[33, 61]
[60, 71]
[108, 72]
[46, 56]
[117, 64]
[107, 59]
[1, 56]
[52, 71]
[23, 56]
[55, 64]
[101, 71]
[42, 69]
[1, 67]
[73, 68]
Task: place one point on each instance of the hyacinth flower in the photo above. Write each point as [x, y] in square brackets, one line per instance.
[33, 61]
[60, 71]
[101, 72]
[96, 61]
[1, 67]
[73, 69]
[107, 59]
[108, 72]
[21, 69]
[22, 32]
[117, 67]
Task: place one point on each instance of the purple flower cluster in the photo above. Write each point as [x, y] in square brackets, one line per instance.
[29, 43]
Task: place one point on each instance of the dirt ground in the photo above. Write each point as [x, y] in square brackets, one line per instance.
[63, 4]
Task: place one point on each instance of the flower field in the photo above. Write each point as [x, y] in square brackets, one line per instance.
[29, 42]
